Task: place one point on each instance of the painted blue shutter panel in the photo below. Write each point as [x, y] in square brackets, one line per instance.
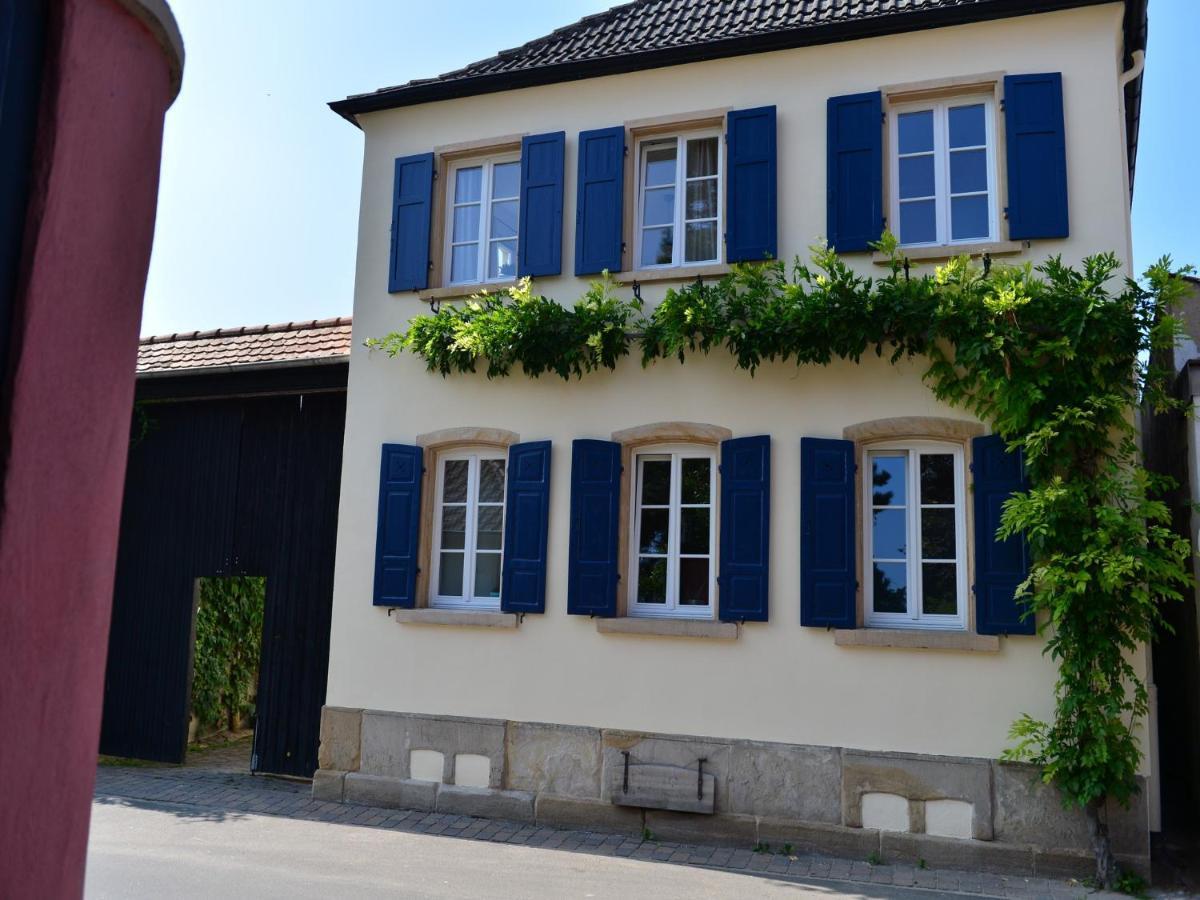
[526, 527]
[750, 205]
[1000, 566]
[599, 201]
[399, 524]
[745, 528]
[1037, 156]
[412, 204]
[540, 242]
[828, 546]
[854, 176]
[595, 521]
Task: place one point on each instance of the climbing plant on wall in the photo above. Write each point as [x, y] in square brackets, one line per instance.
[229, 622]
[1054, 357]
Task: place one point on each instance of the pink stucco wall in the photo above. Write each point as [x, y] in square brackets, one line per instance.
[87, 247]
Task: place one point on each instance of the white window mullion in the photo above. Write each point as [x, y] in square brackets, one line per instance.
[673, 526]
[472, 517]
[677, 252]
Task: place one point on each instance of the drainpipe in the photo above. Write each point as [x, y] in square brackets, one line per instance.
[1134, 71]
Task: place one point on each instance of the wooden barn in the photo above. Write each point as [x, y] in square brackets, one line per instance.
[234, 469]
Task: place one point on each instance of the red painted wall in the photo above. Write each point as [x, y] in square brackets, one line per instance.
[86, 250]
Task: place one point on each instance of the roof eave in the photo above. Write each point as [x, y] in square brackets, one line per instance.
[854, 29]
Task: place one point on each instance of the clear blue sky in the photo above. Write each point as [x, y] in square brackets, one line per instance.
[258, 203]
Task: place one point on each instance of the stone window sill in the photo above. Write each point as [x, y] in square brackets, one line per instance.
[916, 639]
[462, 291]
[672, 273]
[949, 251]
[690, 628]
[469, 618]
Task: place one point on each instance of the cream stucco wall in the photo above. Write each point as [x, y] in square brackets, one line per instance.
[778, 681]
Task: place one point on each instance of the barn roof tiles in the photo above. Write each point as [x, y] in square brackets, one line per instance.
[293, 343]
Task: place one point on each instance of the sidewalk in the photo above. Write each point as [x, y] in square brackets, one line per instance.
[216, 796]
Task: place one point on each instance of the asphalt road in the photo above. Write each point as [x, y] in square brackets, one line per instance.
[162, 850]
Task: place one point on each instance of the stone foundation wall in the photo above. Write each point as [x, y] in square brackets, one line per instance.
[977, 814]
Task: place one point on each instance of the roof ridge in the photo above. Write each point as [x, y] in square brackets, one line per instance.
[307, 325]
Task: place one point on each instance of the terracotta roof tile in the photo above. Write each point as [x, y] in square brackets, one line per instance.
[293, 342]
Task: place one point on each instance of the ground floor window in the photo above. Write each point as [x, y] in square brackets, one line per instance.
[673, 532]
[914, 538]
[468, 530]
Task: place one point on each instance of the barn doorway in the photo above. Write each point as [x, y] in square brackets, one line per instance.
[226, 662]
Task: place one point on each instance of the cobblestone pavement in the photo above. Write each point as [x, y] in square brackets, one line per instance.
[216, 796]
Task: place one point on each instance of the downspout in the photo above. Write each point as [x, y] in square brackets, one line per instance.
[1134, 71]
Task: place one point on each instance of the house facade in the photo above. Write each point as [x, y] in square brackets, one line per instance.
[717, 606]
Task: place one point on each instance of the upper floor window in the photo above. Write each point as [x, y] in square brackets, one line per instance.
[674, 534]
[943, 171]
[915, 539]
[679, 200]
[481, 222]
[468, 529]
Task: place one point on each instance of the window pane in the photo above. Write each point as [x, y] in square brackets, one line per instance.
[890, 587]
[968, 171]
[487, 575]
[968, 217]
[701, 241]
[504, 218]
[888, 534]
[701, 199]
[652, 580]
[915, 131]
[660, 165]
[939, 592]
[656, 482]
[937, 478]
[491, 481]
[693, 582]
[918, 222]
[502, 259]
[653, 534]
[702, 157]
[697, 479]
[464, 263]
[506, 180]
[454, 527]
[454, 488]
[491, 528]
[937, 534]
[659, 207]
[658, 245]
[916, 176]
[967, 127]
[887, 478]
[466, 223]
[693, 529]
[467, 185]
[450, 575]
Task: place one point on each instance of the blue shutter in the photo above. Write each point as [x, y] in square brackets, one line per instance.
[1037, 156]
[412, 202]
[828, 545]
[399, 523]
[595, 517]
[750, 213]
[600, 201]
[1000, 566]
[540, 244]
[526, 526]
[854, 176]
[745, 528]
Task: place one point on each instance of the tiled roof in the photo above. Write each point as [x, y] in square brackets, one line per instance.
[651, 33]
[294, 343]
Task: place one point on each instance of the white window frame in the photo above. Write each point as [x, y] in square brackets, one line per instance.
[474, 456]
[941, 167]
[681, 180]
[672, 609]
[915, 618]
[484, 238]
